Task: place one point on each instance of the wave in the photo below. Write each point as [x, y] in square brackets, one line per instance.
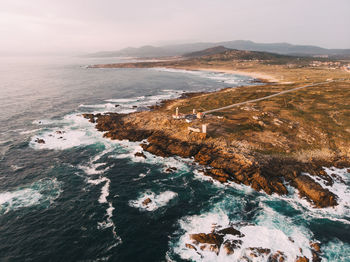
[232, 79]
[133, 104]
[74, 131]
[149, 201]
[268, 229]
[42, 192]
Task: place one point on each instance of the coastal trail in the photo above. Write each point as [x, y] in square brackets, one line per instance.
[266, 97]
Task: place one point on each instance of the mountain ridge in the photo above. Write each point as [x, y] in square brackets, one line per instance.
[181, 49]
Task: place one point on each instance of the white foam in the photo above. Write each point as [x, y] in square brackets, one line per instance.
[340, 213]
[227, 78]
[108, 105]
[157, 201]
[42, 191]
[16, 167]
[269, 230]
[129, 105]
[336, 251]
[130, 148]
[76, 131]
[30, 131]
[124, 100]
[90, 170]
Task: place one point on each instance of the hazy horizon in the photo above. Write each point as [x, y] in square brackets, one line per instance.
[85, 26]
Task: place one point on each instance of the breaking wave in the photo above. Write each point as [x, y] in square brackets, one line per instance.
[42, 192]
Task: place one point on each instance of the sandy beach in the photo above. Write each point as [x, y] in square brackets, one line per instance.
[262, 76]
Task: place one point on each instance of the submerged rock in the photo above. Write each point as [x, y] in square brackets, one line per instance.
[40, 141]
[140, 154]
[146, 201]
[170, 169]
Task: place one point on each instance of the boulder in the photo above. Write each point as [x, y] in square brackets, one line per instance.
[146, 201]
[313, 191]
[40, 141]
[140, 154]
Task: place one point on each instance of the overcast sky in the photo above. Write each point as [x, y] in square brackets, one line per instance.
[96, 25]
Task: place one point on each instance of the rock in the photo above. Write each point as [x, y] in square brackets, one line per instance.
[277, 257]
[230, 245]
[190, 246]
[116, 105]
[315, 246]
[258, 251]
[40, 141]
[60, 132]
[316, 251]
[261, 172]
[231, 231]
[146, 201]
[170, 169]
[211, 238]
[302, 259]
[140, 154]
[210, 247]
[312, 190]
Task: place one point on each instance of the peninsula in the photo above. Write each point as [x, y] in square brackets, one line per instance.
[295, 123]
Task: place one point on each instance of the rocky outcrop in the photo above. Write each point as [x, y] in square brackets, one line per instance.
[40, 141]
[260, 172]
[146, 201]
[221, 241]
[315, 192]
[140, 154]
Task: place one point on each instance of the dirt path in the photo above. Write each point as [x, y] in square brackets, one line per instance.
[265, 97]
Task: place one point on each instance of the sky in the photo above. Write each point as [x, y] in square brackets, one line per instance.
[59, 26]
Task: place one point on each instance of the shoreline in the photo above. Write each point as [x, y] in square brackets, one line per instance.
[257, 75]
[242, 163]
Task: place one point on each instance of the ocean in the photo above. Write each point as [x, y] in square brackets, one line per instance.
[79, 196]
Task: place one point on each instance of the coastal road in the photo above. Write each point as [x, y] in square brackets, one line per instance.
[266, 97]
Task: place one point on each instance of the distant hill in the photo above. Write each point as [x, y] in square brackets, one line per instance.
[209, 51]
[181, 49]
[221, 53]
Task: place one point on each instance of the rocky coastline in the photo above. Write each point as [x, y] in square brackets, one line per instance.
[260, 172]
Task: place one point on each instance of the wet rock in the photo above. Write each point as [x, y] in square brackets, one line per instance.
[217, 174]
[140, 154]
[190, 246]
[210, 247]
[316, 252]
[312, 190]
[315, 246]
[146, 201]
[260, 172]
[211, 238]
[170, 169]
[258, 251]
[302, 259]
[40, 141]
[230, 231]
[91, 117]
[230, 245]
[277, 257]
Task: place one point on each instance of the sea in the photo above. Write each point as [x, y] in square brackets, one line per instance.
[79, 196]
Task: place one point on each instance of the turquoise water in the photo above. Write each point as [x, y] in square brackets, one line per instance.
[78, 197]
